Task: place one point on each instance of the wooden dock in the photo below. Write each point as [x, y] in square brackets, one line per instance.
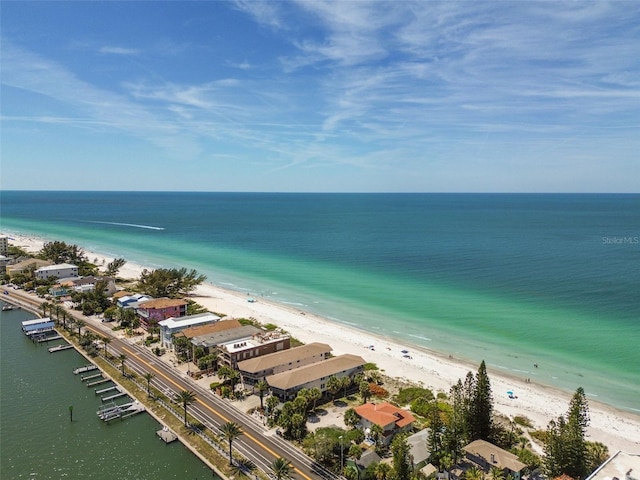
[59, 348]
[98, 382]
[48, 339]
[166, 435]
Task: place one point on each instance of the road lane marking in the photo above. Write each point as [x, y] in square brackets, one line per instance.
[247, 435]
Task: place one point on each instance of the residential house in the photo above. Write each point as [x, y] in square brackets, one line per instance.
[119, 294]
[82, 285]
[132, 300]
[390, 418]
[171, 326]
[286, 385]
[256, 369]
[368, 457]
[419, 448]
[61, 270]
[486, 455]
[153, 311]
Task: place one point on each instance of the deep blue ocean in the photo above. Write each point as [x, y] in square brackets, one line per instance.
[514, 279]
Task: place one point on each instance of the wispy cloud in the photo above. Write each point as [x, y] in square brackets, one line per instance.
[119, 50]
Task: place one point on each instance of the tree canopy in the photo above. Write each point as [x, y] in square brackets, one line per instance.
[172, 283]
[565, 448]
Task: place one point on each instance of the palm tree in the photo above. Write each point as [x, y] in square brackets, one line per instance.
[44, 306]
[382, 471]
[351, 418]
[365, 390]
[243, 467]
[496, 473]
[376, 433]
[474, 473]
[282, 469]
[148, 377]
[122, 359]
[314, 395]
[333, 386]
[80, 324]
[64, 317]
[345, 383]
[105, 341]
[351, 472]
[55, 309]
[262, 387]
[186, 397]
[231, 431]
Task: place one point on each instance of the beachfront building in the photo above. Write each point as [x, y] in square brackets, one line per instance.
[486, 456]
[4, 245]
[61, 270]
[251, 346]
[82, 285]
[153, 311]
[390, 418]
[172, 326]
[256, 369]
[131, 300]
[224, 334]
[286, 385]
[620, 465]
[211, 329]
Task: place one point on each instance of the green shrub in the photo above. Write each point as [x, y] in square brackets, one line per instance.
[522, 420]
[408, 395]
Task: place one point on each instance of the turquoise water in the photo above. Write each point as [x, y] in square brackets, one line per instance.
[511, 279]
[40, 442]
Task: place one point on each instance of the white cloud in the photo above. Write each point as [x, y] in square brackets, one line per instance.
[119, 50]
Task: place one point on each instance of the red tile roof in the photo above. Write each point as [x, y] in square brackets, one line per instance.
[384, 413]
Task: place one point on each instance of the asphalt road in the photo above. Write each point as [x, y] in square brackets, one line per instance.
[254, 444]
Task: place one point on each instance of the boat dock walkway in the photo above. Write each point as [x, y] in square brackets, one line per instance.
[98, 382]
[114, 396]
[105, 390]
[59, 348]
[45, 338]
[91, 377]
[85, 368]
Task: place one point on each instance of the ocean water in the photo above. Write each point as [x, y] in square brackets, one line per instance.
[511, 279]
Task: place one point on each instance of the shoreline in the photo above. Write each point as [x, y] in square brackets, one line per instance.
[616, 428]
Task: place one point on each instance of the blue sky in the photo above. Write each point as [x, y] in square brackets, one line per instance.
[321, 96]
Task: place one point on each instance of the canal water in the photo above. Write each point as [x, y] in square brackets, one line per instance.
[40, 442]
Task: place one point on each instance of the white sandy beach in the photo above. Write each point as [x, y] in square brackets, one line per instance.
[617, 429]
